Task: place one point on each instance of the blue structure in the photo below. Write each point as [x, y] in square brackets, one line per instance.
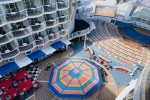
[36, 54]
[8, 68]
[133, 34]
[121, 23]
[57, 45]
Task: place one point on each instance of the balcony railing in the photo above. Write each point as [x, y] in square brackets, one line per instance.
[63, 19]
[62, 4]
[78, 34]
[63, 31]
[49, 8]
[50, 23]
[41, 40]
[22, 32]
[38, 27]
[54, 36]
[16, 16]
[35, 11]
[10, 54]
[2, 19]
[6, 38]
[27, 46]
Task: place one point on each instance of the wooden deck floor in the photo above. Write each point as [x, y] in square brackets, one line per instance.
[107, 91]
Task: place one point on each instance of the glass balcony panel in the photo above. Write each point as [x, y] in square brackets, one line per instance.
[35, 11]
[38, 26]
[62, 4]
[10, 54]
[49, 8]
[6, 37]
[63, 18]
[27, 47]
[22, 32]
[2, 19]
[51, 22]
[14, 16]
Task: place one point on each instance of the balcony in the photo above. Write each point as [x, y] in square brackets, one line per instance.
[2, 20]
[10, 54]
[22, 32]
[63, 32]
[61, 5]
[14, 17]
[41, 40]
[38, 27]
[53, 37]
[49, 8]
[63, 19]
[5, 38]
[27, 47]
[51, 23]
[35, 12]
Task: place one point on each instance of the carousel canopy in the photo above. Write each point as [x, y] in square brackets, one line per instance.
[75, 78]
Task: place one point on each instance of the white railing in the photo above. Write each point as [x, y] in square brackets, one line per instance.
[78, 34]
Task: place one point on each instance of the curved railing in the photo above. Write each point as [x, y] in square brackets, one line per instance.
[78, 34]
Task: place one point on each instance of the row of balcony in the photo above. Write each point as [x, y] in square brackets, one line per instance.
[6, 37]
[14, 50]
[31, 13]
[15, 47]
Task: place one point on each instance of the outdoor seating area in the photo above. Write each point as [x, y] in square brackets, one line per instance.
[18, 84]
[107, 37]
[99, 58]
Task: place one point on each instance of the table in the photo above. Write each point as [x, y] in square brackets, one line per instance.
[37, 24]
[7, 51]
[40, 38]
[25, 85]
[21, 93]
[24, 44]
[29, 75]
[1, 35]
[10, 94]
[6, 83]
[1, 92]
[35, 85]
[20, 75]
[21, 29]
[13, 13]
[15, 84]
[32, 8]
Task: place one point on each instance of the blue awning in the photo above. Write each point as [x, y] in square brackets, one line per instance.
[36, 54]
[8, 68]
[58, 44]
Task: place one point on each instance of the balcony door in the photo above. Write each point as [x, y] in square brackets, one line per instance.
[23, 40]
[45, 2]
[48, 17]
[16, 26]
[11, 7]
[29, 3]
[5, 47]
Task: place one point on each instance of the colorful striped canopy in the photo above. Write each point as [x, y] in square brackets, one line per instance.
[75, 78]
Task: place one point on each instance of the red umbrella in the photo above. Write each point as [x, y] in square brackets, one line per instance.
[20, 75]
[25, 85]
[10, 94]
[6, 83]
